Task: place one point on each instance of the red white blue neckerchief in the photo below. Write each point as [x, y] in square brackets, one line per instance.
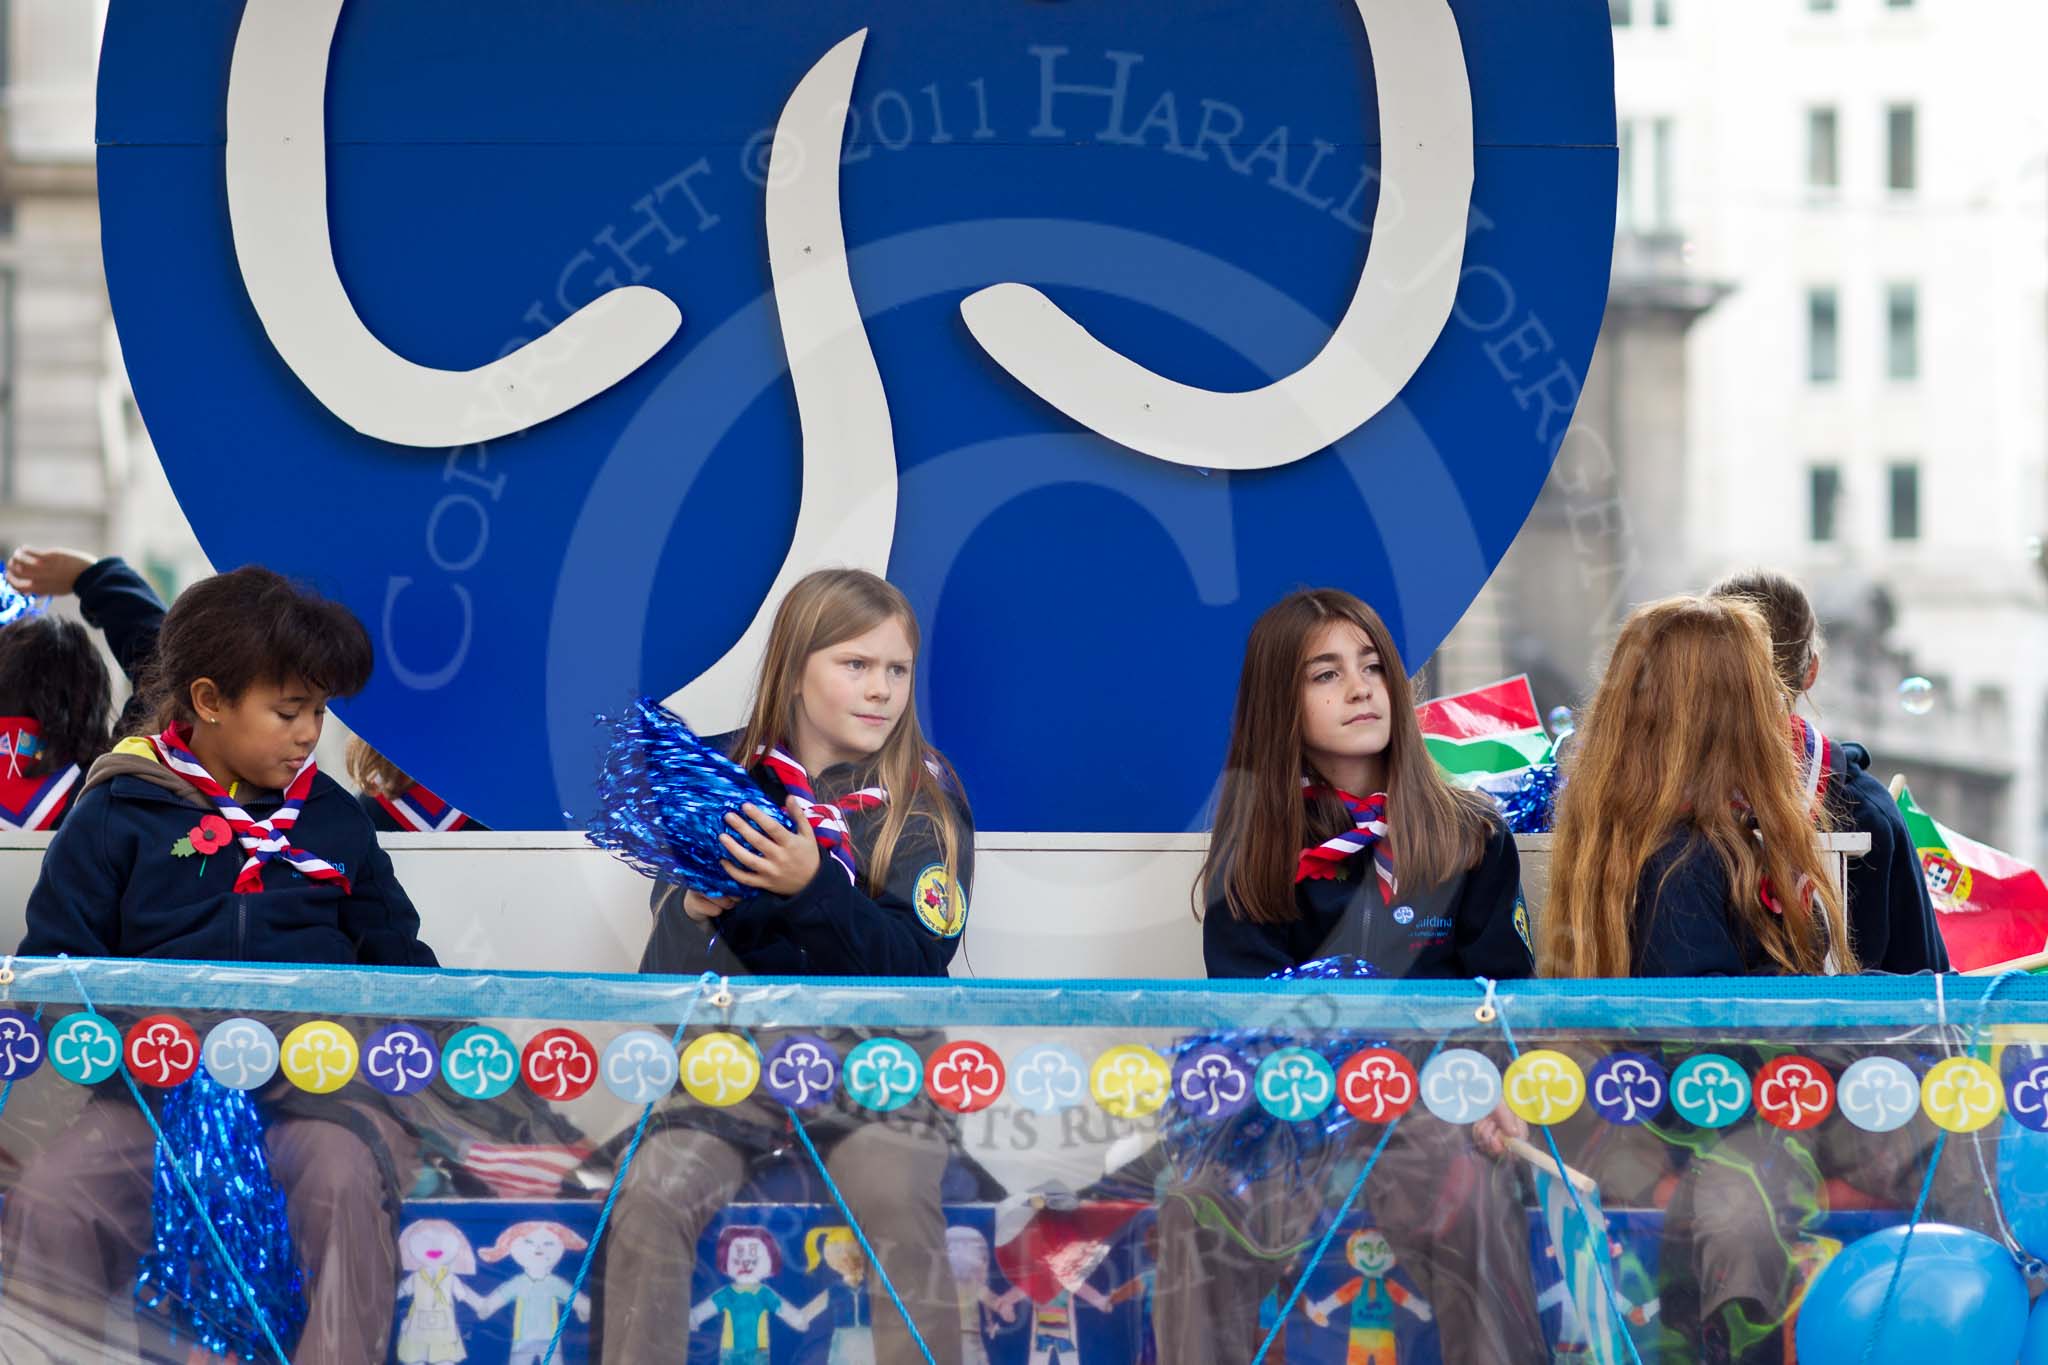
[1368, 831]
[261, 839]
[420, 811]
[1814, 754]
[827, 818]
[29, 801]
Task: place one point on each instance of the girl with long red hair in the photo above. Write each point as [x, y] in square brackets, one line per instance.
[1685, 847]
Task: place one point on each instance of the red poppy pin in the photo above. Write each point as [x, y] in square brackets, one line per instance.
[208, 837]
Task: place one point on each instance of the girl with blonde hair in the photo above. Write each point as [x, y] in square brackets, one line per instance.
[871, 881]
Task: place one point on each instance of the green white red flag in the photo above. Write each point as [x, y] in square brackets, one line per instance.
[1486, 733]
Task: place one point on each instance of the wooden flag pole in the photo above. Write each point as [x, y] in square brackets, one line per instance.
[1542, 1161]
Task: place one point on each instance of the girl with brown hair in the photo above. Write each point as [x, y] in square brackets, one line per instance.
[1327, 764]
[1685, 847]
[872, 881]
[1336, 836]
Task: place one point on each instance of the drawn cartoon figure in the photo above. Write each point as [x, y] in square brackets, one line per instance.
[747, 1255]
[1810, 1256]
[853, 1337]
[1575, 1341]
[435, 1255]
[1141, 1287]
[1055, 1335]
[1587, 1333]
[536, 1293]
[1373, 1299]
[967, 1251]
[1269, 1314]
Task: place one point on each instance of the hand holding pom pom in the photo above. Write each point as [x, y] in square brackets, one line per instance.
[664, 797]
[773, 858]
[704, 909]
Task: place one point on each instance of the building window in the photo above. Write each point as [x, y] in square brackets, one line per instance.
[1898, 4]
[1819, 6]
[1622, 12]
[1902, 332]
[1660, 13]
[1823, 146]
[1901, 155]
[1824, 497]
[1905, 508]
[1823, 341]
[1663, 133]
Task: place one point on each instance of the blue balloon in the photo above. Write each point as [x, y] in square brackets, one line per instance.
[1960, 1299]
[2034, 1350]
[2023, 1184]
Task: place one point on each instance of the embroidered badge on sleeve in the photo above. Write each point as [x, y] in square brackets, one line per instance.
[941, 905]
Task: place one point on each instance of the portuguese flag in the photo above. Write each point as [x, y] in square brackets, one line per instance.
[1484, 734]
[1991, 906]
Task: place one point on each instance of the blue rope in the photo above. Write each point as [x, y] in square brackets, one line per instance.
[611, 1196]
[1308, 1267]
[177, 1165]
[1891, 1289]
[860, 1233]
[1550, 1141]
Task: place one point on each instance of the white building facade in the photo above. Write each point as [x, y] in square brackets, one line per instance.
[1866, 406]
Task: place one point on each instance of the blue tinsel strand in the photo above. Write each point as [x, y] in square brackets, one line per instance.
[1530, 804]
[1343, 967]
[16, 607]
[662, 798]
[218, 1136]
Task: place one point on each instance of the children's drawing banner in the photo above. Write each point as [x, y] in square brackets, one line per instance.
[607, 1167]
[558, 339]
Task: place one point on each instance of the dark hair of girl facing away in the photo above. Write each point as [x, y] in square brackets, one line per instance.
[1686, 736]
[253, 626]
[1262, 821]
[51, 672]
[1788, 615]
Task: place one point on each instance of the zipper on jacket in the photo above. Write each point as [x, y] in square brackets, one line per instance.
[241, 926]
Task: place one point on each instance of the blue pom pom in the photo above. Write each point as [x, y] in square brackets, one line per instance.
[216, 1135]
[662, 799]
[15, 606]
[1529, 803]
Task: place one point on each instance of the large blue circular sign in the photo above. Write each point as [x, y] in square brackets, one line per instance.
[1118, 279]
